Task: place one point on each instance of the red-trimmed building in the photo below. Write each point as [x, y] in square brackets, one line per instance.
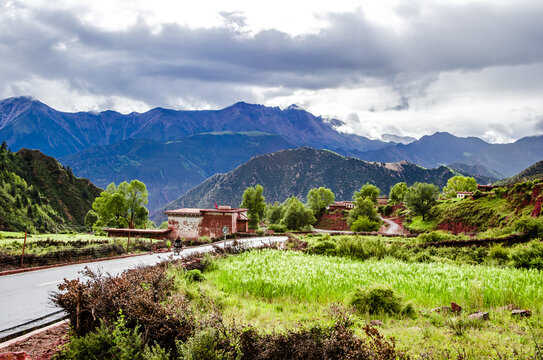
[194, 223]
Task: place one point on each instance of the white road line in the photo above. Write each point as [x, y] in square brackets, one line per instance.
[51, 282]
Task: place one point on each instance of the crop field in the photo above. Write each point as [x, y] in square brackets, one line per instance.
[270, 274]
[274, 290]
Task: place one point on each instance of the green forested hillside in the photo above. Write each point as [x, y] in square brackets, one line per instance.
[38, 195]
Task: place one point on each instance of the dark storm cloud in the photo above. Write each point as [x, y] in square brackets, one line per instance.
[222, 62]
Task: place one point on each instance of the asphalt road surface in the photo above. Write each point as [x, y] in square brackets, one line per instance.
[24, 297]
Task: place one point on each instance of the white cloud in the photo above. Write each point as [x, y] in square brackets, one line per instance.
[468, 67]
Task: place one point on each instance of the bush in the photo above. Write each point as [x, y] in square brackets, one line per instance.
[140, 294]
[259, 232]
[324, 247]
[477, 194]
[194, 276]
[379, 299]
[364, 224]
[528, 256]
[433, 236]
[117, 342]
[499, 254]
[532, 227]
[205, 345]
[278, 228]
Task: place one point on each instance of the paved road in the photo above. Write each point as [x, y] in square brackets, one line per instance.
[24, 297]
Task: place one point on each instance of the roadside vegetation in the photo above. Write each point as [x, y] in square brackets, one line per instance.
[214, 308]
[50, 249]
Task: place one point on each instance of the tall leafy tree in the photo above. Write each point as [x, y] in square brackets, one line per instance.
[274, 213]
[254, 202]
[420, 198]
[319, 199]
[296, 214]
[397, 193]
[122, 206]
[459, 183]
[363, 207]
[367, 191]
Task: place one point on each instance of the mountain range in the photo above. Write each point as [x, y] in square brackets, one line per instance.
[171, 168]
[172, 151]
[25, 122]
[441, 148]
[294, 172]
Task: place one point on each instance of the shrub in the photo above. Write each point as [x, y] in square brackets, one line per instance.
[532, 227]
[498, 253]
[364, 224]
[528, 256]
[433, 236]
[378, 299]
[477, 194]
[278, 228]
[324, 247]
[259, 232]
[140, 294]
[116, 342]
[194, 276]
[205, 345]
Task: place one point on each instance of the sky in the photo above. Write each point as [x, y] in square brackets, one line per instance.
[409, 68]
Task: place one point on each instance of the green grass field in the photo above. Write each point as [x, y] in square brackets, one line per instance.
[273, 289]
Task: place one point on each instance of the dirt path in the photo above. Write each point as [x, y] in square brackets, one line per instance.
[393, 228]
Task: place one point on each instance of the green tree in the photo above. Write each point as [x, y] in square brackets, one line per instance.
[420, 198]
[397, 193]
[363, 224]
[122, 206]
[274, 213]
[254, 202]
[363, 206]
[459, 183]
[296, 214]
[319, 199]
[367, 191]
[91, 218]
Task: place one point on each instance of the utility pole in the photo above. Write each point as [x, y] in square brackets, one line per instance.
[23, 255]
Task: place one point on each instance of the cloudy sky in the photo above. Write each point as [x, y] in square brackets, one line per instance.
[473, 68]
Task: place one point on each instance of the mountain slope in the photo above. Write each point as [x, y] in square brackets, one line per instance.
[479, 172]
[534, 172]
[429, 151]
[25, 122]
[171, 168]
[294, 172]
[37, 193]
[509, 159]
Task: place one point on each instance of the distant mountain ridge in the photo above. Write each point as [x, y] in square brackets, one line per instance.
[25, 122]
[443, 148]
[294, 172]
[531, 173]
[171, 168]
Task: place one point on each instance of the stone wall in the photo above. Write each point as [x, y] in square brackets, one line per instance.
[333, 220]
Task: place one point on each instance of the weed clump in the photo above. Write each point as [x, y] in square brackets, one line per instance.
[528, 256]
[379, 299]
[194, 275]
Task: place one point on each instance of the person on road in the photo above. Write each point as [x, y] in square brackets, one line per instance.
[177, 246]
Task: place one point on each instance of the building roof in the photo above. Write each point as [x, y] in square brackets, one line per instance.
[464, 192]
[140, 231]
[197, 212]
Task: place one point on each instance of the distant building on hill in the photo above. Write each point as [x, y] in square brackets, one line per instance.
[195, 223]
[463, 194]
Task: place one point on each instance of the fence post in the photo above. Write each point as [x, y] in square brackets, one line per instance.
[23, 254]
